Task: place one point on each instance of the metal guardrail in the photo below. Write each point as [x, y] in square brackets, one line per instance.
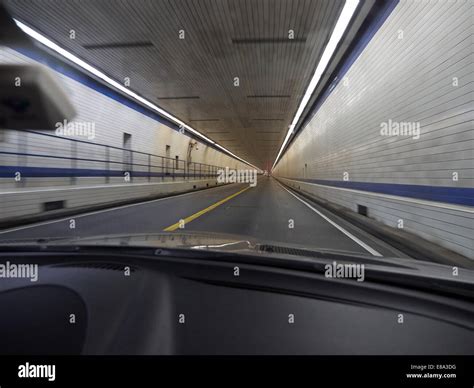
[75, 158]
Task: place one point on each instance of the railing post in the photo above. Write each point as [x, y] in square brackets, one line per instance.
[73, 162]
[107, 164]
[22, 157]
[162, 169]
[149, 168]
[131, 166]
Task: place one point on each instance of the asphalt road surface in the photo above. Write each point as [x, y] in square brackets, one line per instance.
[268, 211]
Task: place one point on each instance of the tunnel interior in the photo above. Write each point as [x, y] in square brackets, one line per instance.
[332, 125]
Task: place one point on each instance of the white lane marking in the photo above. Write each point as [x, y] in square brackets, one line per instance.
[99, 211]
[348, 234]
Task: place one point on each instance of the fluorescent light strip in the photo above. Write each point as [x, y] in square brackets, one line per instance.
[345, 17]
[50, 44]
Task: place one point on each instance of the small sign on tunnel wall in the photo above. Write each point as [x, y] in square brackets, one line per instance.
[362, 210]
[53, 205]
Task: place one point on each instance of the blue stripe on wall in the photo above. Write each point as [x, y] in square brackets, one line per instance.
[453, 195]
[57, 172]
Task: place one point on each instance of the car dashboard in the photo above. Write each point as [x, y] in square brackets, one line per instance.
[106, 305]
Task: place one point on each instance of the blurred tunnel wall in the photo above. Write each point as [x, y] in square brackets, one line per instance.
[86, 164]
[415, 74]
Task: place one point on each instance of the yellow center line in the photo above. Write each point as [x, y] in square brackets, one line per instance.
[203, 211]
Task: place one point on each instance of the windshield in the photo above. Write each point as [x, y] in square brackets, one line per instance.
[236, 178]
[330, 128]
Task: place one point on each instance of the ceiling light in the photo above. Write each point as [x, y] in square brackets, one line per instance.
[345, 17]
[66, 54]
